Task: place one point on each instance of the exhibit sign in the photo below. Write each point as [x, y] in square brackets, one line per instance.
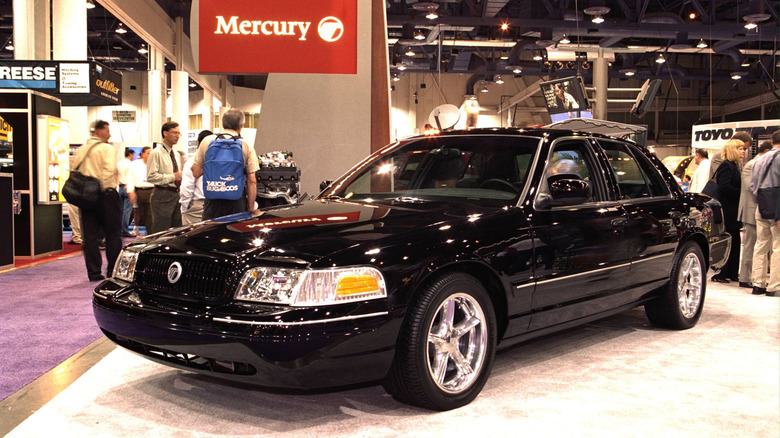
[75, 83]
[53, 158]
[290, 36]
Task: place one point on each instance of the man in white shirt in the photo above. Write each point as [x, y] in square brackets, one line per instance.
[143, 191]
[191, 191]
[702, 173]
[126, 193]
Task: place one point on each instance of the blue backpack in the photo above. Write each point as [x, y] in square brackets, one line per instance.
[223, 169]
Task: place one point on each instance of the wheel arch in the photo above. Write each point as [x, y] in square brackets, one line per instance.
[700, 240]
[489, 279]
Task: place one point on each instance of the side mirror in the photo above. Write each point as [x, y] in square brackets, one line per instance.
[324, 184]
[569, 192]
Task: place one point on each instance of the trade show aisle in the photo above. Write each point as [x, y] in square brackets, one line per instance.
[617, 377]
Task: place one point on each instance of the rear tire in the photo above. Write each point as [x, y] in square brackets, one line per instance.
[446, 347]
[681, 302]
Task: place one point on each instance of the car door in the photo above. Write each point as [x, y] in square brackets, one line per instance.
[582, 257]
[653, 214]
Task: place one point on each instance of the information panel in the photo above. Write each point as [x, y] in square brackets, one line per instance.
[53, 159]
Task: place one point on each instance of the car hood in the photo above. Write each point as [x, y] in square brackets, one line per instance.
[311, 230]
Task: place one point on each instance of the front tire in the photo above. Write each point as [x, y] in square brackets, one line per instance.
[680, 304]
[446, 347]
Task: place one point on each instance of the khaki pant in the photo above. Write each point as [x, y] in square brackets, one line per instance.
[194, 214]
[767, 240]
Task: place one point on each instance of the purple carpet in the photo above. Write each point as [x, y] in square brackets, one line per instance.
[45, 317]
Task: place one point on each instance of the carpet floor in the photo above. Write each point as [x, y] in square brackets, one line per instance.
[45, 317]
[618, 377]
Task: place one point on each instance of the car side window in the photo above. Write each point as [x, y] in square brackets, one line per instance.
[657, 185]
[630, 178]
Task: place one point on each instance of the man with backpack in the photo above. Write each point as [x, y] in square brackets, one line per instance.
[226, 163]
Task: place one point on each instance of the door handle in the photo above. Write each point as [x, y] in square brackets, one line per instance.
[619, 224]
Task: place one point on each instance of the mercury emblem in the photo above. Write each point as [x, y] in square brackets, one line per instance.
[174, 272]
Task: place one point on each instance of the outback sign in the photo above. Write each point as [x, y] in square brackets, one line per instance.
[294, 36]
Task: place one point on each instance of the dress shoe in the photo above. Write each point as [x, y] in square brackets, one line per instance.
[717, 279]
[772, 294]
[743, 284]
[758, 290]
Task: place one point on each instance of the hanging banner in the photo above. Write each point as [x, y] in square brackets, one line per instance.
[75, 83]
[279, 36]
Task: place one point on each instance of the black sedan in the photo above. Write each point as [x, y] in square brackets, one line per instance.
[416, 264]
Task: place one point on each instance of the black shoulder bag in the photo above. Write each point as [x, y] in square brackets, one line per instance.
[769, 197]
[81, 190]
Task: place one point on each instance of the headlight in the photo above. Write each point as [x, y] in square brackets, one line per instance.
[124, 268]
[298, 287]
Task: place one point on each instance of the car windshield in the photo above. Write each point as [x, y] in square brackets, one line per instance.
[490, 170]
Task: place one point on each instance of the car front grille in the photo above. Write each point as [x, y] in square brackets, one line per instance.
[202, 280]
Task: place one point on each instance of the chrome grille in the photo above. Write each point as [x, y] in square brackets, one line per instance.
[202, 280]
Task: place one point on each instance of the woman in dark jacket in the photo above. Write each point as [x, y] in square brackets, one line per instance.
[729, 183]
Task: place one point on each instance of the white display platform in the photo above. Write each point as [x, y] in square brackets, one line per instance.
[619, 377]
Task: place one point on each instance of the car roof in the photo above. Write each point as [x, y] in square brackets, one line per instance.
[551, 133]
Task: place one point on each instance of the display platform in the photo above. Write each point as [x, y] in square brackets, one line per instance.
[618, 377]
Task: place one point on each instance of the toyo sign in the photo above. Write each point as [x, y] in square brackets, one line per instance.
[295, 36]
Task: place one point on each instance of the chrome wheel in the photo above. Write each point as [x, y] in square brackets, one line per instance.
[689, 285]
[457, 343]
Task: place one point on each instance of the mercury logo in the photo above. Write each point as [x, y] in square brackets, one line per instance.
[174, 272]
[330, 29]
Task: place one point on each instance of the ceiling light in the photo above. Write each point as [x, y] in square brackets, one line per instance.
[499, 80]
[143, 49]
[628, 71]
[660, 58]
[516, 70]
[750, 25]
[396, 78]
[192, 85]
[701, 44]
[504, 56]
[10, 45]
[419, 35]
[745, 63]
[597, 12]
[598, 19]
[409, 52]
[121, 28]
[538, 55]
[90, 4]
[692, 15]
[504, 26]
[736, 75]
[564, 40]
[432, 15]
[401, 67]
[483, 89]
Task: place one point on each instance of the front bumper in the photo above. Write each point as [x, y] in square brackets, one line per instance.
[272, 346]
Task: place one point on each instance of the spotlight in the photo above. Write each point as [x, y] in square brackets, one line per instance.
[504, 26]
[121, 28]
[660, 58]
[564, 40]
[701, 44]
